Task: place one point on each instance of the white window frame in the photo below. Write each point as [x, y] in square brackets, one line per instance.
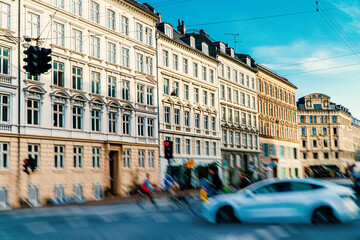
[96, 157]
[78, 157]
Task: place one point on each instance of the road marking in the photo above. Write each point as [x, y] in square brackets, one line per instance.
[39, 228]
[279, 231]
[159, 217]
[264, 234]
[290, 229]
[76, 222]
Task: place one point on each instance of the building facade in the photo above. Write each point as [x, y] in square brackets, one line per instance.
[188, 92]
[326, 135]
[238, 107]
[278, 124]
[91, 122]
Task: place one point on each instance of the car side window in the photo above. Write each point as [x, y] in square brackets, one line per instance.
[299, 186]
[273, 188]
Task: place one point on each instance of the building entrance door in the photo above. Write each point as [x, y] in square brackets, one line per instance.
[114, 166]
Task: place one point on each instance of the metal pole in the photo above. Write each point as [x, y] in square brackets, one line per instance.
[19, 100]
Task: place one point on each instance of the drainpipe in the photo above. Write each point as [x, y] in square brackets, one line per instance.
[19, 103]
[158, 100]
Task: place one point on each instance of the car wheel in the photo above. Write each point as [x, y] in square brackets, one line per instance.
[323, 215]
[225, 215]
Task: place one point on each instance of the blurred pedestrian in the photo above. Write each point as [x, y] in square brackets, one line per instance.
[244, 181]
[216, 182]
[147, 189]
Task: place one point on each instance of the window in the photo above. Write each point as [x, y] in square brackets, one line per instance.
[96, 157]
[228, 72]
[314, 143]
[140, 93]
[236, 96]
[266, 150]
[336, 155]
[111, 52]
[230, 115]
[237, 138]
[78, 190]
[78, 156]
[198, 147]
[98, 191]
[326, 155]
[187, 146]
[229, 94]
[33, 29]
[178, 145]
[244, 139]
[175, 88]
[112, 122]
[304, 143]
[197, 120]
[224, 135]
[125, 91]
[151, 159]
[77, 117]
[196, 91]
[335, 131]
[149, 65]
[4, 155]
[207, 148]
[166, 86]
[186, 92]
[76, 7]
[175, 62]
[213, 123]
[149, 96]
[214, 148]
[205, 48]
[141, 126]
[58, 30]
[185, 65]
[237, 116]
[95, 47]
[77, 76]
[242, 98]
[324, 131]
[315, 155]
[313, 131]
[95, 120]
[110, 19]
[5, 15]
[205, 96]
[111, 86]
[94, 12]
[222, 91]
[302, 119]
[126, 158]
[204, 73]
[125, 25]
[95, 82]
[141, 158]
[60, 191]
[211, 75]
[34, 152]
[139, 63]
[177, 116]
[282, 152]
[303, 131]
[167, 114]
[206, 122]
[165, 58]
[125, 57]
[248, 100]
[34, 195]
[150, 127]
[187, 118]
[126, 124]
[58, 74]
[4, 108]
[33, 111]
[148, 36]
[195, 70]
[231, 137]
[333, 119]
[212, 97]
[243, 118]
[77, 40]
[58, 111]
[325, 143]
[335, 143]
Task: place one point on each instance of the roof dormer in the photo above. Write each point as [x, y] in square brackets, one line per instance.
[248, 61]
[168, 30]
[205, 48]
[230, 51]
[192, 42]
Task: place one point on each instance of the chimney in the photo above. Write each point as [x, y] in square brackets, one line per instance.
[202, 32]
[159, 15]
[181, 27]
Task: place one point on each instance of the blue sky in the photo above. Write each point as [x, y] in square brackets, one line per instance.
[289, 45]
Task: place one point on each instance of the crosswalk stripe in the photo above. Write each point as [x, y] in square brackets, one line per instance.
[39, 228]
[265, 234]
[279, 231]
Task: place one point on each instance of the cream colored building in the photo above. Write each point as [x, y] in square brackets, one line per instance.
[355, 126]
[326, 134]
[277, 123]
[91, 122]
[188, 92]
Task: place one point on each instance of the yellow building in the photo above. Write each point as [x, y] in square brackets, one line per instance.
[277, 123]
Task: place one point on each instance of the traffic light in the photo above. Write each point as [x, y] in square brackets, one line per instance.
[26, 165]
[32, 163]
[168, 149]
[45, 60]
[32, 60]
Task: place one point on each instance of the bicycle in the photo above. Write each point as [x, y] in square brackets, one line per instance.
[144, 195]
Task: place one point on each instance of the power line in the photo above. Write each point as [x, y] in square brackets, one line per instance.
[322, 69]
[171, 3]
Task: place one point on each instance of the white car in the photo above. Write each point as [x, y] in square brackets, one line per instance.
[284, 200]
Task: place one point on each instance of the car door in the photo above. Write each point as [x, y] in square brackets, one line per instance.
[263, 205]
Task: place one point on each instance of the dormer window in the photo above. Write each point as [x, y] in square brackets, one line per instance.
[192, 42]
[248, 61]
[205, 48]
[231, 52]
[222, 47]
[169, 31]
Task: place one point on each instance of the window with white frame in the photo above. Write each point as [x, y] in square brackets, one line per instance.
[139, 62]
[237, 138]
[214, 148]
[237, 116]
[150, 96]
[94, 47]
[33, 28]
[94, 12]
[34, 195]
[141, 158]
[58, 34]
[242, 98]
[4, 202]
[76, 7]
[139, 32]
[59, 191]
[177, 116]
[59, 3]
[175, 62]
[4, 155]
[228, 72]
[125, 90]
[165, 58]
[207, 148]
[58, 115]
[222, 88]
[77, 40]
[112, 122]
[77, 78]
[205, 97]
[206, 122]
[198, 147]
[185, 65]
[167, 114]
[175, 88]
[195, 68]
[150, 127]
[126, 158]
[111, 86]
[125, 62]
[33, 112]
[187, 118]
[204, 73]
[98, 191]
[95, 82]
[149, 65]
[77, 115]
[96, 151]
[205, 48]
[78, 157]
[78, 187]
[28, 75]
[140, 124]
[148, 36]
[213, 123]
[187, 146]
[236, 96]
[212, 99]
[34, 152]
[166, 86]
[125, 25]
[244, 139]
[111, 52]
[95, 120]
[178, 145]
[126, 124]
[211, 75]
[168, 31]
[235, 75]
[4, 108]
[110, 19]
[197, 120]
[196, 94]
[59, 77]
[5, 15]
[151, 159]
[140, 93]
[186, 92]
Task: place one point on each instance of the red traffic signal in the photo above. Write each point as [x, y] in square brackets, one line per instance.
[168, 149]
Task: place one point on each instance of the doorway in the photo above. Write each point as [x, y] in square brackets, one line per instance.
[113, 164]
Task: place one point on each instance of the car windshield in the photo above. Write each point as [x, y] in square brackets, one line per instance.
[256, 185]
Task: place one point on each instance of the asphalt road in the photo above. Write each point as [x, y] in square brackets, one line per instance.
[129, 221]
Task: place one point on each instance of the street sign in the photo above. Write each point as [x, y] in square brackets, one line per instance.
[190, 163]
